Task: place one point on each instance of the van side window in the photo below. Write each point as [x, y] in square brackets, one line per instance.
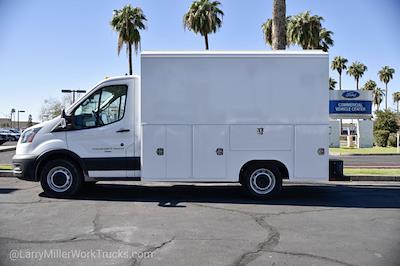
[103, 107]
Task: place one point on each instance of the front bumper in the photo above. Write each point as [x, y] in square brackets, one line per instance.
[24, 167]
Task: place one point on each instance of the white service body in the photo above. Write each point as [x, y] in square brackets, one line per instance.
[195, 103]
[199, 116]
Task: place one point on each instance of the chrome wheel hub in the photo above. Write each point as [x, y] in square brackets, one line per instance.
[262, 181]
[59, 179]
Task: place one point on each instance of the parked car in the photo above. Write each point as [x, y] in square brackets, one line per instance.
[5, 136]
[15, 134]
[3, 139]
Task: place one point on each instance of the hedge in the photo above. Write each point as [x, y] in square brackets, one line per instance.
[392, 140]
[381, 137]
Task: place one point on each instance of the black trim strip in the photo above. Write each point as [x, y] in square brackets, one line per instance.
[112, 163]
[133, 178]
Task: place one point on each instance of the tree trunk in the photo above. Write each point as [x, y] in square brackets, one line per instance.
[357, 83]
[397, 107]
[206, 40]
[279, 25]
[130, 58]
[386, 89]
[340, 120]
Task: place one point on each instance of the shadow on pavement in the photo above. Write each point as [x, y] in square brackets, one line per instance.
[7, 190]
[329, 195]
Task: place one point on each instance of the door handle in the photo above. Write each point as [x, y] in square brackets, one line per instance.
[123, 130]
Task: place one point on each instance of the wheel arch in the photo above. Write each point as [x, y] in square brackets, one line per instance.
[57, 154]
[281, 167]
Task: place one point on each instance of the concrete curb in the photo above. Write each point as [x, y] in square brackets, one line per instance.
[6, 173]
[372, 167]
[374, 178]
[7, 148]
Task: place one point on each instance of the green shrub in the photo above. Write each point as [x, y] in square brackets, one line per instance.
[386, 120]
[392, 140]
[381, 137]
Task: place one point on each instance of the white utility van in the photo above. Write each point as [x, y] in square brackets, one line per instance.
[249, 117]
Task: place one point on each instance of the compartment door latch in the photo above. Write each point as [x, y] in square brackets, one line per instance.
[160, 151]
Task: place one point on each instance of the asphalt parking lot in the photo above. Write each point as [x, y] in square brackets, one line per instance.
[162, 224]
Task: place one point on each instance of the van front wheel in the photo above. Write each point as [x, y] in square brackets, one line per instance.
[61, 178]
[262, 181]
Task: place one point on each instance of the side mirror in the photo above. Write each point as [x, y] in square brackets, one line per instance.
[63, 123]
[66, 121]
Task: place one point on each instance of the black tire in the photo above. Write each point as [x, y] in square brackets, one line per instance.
[262, 181]
[61, 178]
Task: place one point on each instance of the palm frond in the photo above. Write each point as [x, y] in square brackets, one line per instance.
[128, 22]
[306, 31]
[203, 17]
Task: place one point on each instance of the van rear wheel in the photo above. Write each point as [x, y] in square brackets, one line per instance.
[61, 178]
[262, 181]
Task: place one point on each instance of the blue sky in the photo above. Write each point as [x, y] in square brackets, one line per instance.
[48, 45]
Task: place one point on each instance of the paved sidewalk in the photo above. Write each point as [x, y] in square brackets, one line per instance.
[7, 148]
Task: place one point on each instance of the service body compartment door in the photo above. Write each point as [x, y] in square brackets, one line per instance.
[153, 152]
[179, 152]
[210, 151]
[261, 137]
[167, 152]
[311, 152]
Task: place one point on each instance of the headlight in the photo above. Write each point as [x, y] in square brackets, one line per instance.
[29, 134]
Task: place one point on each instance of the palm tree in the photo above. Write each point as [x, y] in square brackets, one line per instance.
[357, 70]
[370, 85]
[203, 17]
[279, 25]
[128, 21]
[385, 75]
[332, 84]
[339, 64]
[378, 97]
[325, 39]
[11, 116]
[267, 31]
[307, 31]
[396, 99]
[304, 30]
[30, 123]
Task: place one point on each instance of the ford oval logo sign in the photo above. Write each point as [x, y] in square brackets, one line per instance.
[350, 94]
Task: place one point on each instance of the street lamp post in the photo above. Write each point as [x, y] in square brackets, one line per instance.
[19, 111]
[73, 93]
